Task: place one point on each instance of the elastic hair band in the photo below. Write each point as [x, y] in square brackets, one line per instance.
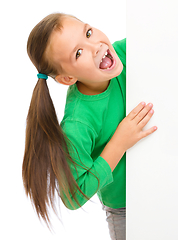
[42, 76]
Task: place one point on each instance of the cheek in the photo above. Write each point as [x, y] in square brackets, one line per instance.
[86, 63]
[120, 67]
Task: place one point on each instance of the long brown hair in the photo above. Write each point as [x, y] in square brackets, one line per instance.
[45, 168]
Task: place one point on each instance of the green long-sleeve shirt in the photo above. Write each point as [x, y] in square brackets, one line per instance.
[89, 123]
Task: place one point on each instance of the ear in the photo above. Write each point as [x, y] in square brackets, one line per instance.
[66, 80]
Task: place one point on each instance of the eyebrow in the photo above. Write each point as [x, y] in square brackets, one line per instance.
[85, 28]
[84, 32]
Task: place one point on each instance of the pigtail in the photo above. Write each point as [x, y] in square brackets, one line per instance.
[45, 167]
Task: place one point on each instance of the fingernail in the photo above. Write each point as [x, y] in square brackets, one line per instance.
[151, 111]
[155, 128]
[150, 104]
[143, 103]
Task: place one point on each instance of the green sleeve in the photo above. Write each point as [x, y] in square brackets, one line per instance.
[83, 138]
[120, 48]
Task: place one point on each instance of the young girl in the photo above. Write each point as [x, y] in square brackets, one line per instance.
[85, 153]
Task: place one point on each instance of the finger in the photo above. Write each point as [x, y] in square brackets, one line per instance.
[148, 132]
[136, 110]
[143, 112]
[146, 119]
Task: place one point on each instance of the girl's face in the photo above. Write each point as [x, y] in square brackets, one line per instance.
[79, 49]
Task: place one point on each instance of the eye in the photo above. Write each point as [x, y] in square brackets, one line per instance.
[78, 54]
[89, 33]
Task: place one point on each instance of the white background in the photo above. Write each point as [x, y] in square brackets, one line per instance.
[18, 79]
[152, 165]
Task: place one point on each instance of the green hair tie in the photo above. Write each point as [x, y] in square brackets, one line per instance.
[42, 76]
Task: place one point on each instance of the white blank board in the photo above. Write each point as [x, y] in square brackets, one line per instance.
[152, 76]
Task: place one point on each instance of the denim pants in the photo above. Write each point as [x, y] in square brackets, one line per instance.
[116, 219]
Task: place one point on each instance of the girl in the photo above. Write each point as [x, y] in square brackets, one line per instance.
[85, 153]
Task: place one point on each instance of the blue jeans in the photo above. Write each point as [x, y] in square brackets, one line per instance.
[116, 219]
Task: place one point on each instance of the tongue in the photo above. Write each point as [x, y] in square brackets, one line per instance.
[106, 63]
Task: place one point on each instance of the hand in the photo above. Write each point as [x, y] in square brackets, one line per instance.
[130, 130]
[128, 133]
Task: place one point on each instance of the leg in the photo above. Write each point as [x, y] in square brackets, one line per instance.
[116, 219]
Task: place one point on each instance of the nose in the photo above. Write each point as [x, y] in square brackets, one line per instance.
[94, 47]
[98, 48]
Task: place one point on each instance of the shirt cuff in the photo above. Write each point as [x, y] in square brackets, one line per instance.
[104, 172]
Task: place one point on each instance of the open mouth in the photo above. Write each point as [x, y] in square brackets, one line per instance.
[107, 61]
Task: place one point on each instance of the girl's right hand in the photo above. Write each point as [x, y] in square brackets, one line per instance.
[128, 133]
[130, 130]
